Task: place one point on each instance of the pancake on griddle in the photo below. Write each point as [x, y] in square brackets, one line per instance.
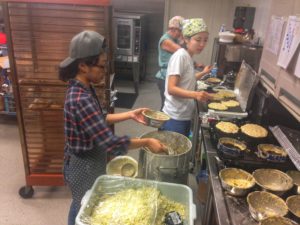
[231, 103]
[217, 106]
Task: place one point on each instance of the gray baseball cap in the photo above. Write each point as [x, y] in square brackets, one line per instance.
[86, 43]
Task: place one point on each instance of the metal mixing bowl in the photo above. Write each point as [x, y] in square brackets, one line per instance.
[236, 182]
[293, 203]
[295, 175]
[273, 180]
[155, 118]
[277, 220]
[122, 166]
[263, 204]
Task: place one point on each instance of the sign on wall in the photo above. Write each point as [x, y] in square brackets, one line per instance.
[290, 41]
[274, 34]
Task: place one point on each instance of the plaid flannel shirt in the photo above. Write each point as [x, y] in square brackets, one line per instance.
[85, 126]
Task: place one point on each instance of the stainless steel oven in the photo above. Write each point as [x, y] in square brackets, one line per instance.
[128, 37]
[129, 46]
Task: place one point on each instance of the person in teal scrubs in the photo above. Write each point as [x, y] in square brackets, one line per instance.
[167, 45]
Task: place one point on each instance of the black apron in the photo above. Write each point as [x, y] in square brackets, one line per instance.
[81, 171]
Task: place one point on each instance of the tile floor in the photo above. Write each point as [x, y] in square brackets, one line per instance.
[50, 205]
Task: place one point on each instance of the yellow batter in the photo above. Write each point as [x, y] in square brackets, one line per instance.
[238, 182]
[254, 130]
[227, 127]
[231, 103]
[217, 106]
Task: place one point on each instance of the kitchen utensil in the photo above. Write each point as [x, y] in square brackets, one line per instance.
[293, 203]
[236, 182]
[128, 170]
[163, 167]
[222, 133]
[277, 220]
[271, 153]
[295, 175]
[273, 180]
[155, 118]
[263, 204]
[231, 147]
[253, 141]
[122, 166]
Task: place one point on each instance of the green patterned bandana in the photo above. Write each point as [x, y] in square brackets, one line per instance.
[193, 26]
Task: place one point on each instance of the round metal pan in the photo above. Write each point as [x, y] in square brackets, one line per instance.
[231, 147]
[263, 204]
[221, 133]
[273, 180]
[122, 166]
[277, 220]
[295, 175]
[252, 141]
[236, 182]
[264, 151]
[155, 118]
[293, 203]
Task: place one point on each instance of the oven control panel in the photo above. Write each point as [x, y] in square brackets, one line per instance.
[127, 58]
[137, 42]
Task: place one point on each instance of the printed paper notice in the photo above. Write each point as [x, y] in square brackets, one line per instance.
[290, 41]
[297, 68]
[274, 34]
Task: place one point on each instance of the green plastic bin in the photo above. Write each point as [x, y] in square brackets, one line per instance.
[111, 184]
